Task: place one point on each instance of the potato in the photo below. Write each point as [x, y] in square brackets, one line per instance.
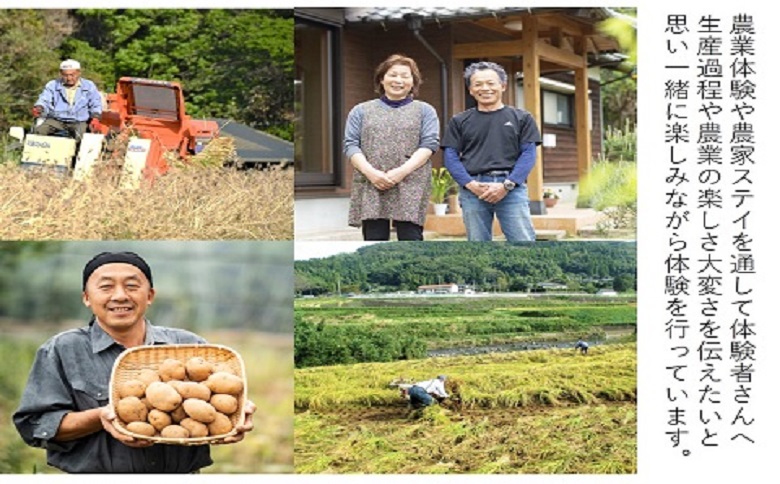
[195, 428]
[175, 384]
[148, 376]
[222, 382]
[142, 428]
[221, 425]
[178, 414]
[131, 388]
[171, 369]
[198, 369]
[163, 396]
[175, 432]
[226, 404]
[190, 389]
[131, 409]
[199, 410]
[149, 406]
[159, 419]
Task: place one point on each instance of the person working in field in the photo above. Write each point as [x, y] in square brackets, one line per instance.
[582, 346]
[422, 394]
[68, 103]
[64, 407]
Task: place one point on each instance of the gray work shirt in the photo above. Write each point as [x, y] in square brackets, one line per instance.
[71, 373]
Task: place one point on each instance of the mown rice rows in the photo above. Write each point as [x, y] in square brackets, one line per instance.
[536, 412]
[187, 203]
[597, 439]
[521, 379]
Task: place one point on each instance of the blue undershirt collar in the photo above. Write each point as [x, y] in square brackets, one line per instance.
[398, 103]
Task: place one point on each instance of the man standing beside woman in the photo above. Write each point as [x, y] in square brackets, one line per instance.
[489, 150]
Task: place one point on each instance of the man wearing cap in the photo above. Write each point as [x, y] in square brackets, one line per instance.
[490, 150]
[68, 103]
[64, 407]
[421, 394]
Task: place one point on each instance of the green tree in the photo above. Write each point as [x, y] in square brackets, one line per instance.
[235, 64]
[619, 91]
[28, 50]
[624, 283]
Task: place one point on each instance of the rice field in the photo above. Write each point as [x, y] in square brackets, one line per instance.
[348, 330]
[545, 411]
[192, 202]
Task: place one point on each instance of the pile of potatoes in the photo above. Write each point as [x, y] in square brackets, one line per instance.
[180, 400]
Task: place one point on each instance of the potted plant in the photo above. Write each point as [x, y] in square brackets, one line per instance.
[442, 184]
[550, 197]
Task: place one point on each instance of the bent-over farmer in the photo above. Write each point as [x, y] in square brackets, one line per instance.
[582, 346]
[422, 394]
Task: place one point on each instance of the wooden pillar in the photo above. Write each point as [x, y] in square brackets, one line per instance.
[532, 97]
[457, 93]
[582, 112]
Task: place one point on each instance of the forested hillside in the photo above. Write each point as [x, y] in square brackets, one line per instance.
[487, 266]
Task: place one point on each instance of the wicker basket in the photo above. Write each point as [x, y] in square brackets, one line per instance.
[130, 363]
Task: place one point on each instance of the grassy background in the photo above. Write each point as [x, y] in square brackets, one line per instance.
[267, 449]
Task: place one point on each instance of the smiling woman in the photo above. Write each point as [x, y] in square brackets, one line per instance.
[389, 142]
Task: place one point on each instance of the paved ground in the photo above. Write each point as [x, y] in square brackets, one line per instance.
[562, 210]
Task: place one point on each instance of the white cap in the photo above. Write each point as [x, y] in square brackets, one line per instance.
[70, 64]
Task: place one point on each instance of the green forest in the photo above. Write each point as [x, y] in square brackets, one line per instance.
[234, 64]
[583, 267]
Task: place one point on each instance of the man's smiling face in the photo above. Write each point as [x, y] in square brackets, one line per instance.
[118, 295]
[486, 88]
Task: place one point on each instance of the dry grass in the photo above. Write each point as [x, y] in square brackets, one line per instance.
[190, 202]
[554, 377]
[588, 439]
[536, 412]
[514, 414]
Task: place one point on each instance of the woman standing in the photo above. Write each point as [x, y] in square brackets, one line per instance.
[389, 141]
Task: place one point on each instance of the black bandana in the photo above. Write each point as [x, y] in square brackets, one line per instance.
[116, 257]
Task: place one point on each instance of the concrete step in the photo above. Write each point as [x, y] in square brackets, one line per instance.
[592, 232]
[550, 234]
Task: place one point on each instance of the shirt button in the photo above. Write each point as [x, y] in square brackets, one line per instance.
[100, 394]
[45, 434]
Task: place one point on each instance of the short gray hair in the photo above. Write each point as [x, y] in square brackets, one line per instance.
[484, 66]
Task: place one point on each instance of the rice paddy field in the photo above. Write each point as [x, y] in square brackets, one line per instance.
[536, 412]
[411, 327]
[543, 411]
[193, 202]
